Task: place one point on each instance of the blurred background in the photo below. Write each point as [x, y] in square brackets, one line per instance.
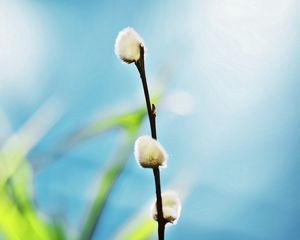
[228, 115]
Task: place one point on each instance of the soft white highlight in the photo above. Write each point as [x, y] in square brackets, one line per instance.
[24, 48]
[149, 153]
[171, 207]
[180, 102]
[128, 44]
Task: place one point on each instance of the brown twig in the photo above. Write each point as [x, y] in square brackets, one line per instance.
[152, 115]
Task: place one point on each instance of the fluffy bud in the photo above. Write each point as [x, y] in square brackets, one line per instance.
[128, 44]
[149, 153]
[171, 207]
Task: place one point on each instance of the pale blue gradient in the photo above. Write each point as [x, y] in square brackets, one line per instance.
[240, 147]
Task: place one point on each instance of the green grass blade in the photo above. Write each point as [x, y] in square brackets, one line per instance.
[105, 185]
[19, 218]
[127, 121]
[142, 229]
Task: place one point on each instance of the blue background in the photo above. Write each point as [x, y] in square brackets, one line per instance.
[234, 156]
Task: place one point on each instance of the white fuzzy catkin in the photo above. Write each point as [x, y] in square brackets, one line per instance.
[127, 45]
[149, 153]
[171, 207]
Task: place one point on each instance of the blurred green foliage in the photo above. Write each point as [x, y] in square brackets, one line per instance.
[21, 220]
[19, 217]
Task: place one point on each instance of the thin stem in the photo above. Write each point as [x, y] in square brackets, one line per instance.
[161, 220]
[151, 114]
[151, 111]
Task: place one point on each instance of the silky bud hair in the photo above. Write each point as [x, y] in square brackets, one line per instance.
[149, 153]
[128, 45]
